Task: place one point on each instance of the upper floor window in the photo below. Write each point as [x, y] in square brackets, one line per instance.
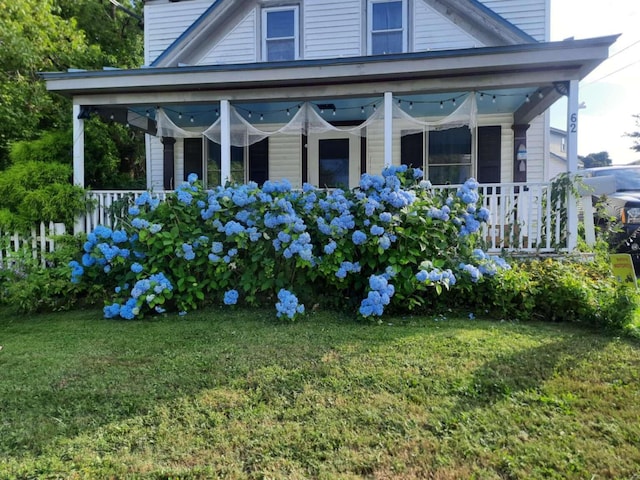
[387, 26]
[280, 33]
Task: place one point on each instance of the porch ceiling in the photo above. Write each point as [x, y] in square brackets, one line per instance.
[426, 78]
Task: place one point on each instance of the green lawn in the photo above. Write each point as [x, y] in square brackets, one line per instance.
[241, 395]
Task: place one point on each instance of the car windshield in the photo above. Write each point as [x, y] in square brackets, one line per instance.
[627, 179]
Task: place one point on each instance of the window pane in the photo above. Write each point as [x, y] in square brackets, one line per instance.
[452, 174]
[334, 163]
[385, 43]
[387, 15]
[214, 170]
[280, 50]
[280, 24]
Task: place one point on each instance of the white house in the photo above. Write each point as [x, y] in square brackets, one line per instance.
[321, 91]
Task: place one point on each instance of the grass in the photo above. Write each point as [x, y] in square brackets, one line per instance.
[236, 394]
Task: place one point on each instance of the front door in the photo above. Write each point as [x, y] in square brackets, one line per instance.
[334, 160]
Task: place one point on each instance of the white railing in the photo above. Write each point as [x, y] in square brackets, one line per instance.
[14, 246]
[522, 217]
[108, 204]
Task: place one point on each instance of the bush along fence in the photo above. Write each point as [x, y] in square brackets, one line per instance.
[15, 246]
[392, 243]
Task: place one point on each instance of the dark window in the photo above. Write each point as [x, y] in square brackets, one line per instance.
[449, 156]
[333, 162]
[489, 149]
[259, 162]
[412, 150]
[193, 157]
[214, 172]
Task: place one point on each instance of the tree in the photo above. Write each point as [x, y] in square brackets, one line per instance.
[635, 135]
[33, 39]
[600, 159]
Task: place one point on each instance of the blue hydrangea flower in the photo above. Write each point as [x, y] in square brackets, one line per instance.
[358, 237]
[231, 297]
[136, 267]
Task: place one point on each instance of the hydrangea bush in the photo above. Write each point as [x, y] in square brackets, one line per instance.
[390, 243]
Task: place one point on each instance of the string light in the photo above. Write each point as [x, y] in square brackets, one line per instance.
[481, 96]
[192, 119]
[410, 105]
[261, 117]
[453, 100]
[493, 99]
[249, 113]
[362, 109]
[288, 114]
[334, 111]
[527, 99]
[180, 115]
[217, 113]
[441, 105]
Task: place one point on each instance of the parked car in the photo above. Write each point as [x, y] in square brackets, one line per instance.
[623, 205]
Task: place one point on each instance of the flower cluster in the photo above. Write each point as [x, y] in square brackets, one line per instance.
[237, 242]
[288, 305]
[379, 296]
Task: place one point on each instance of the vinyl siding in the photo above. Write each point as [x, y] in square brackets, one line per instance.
[531, 16]
[536, 150]
[332, 28]
[165, 22]
[285, 159]
[238, 46]
[434, 32]
[154, 153]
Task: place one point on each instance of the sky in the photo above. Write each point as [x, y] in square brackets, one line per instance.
[611, 93]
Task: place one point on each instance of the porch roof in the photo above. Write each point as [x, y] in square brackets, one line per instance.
[539, 67]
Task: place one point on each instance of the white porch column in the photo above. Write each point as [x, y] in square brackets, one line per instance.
[572, 161]
[225, 141]
[78, 147]
[388, 128]
[78, 161]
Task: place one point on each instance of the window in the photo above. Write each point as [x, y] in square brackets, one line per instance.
[280, 34]
[214, 162]
[387, 27]
[333, 162]
[449, 156]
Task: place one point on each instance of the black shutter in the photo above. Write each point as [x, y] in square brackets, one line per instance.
[489, 149]
[193, 157]
[259, 162]
[412, 150]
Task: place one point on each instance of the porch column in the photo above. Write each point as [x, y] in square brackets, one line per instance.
[225, 142]
[520, 152]
[572, 161]
[388, 129]
[78, 147]
[168, 162]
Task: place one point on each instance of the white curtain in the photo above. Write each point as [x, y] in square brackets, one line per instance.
[307, 120]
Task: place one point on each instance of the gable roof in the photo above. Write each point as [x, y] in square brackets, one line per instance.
[471, 15]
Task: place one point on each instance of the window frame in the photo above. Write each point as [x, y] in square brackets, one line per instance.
[296, 30]
[404, 29]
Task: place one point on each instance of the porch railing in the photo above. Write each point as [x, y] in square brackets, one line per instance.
[522, 217]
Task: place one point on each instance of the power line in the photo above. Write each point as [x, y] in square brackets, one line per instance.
[612, 73]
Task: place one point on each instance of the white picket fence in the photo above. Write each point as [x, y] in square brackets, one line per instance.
[14, 247]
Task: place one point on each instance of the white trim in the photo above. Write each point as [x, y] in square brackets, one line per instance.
[296, 30]
[405, 24]
[388, 129]
[78, 147]
[225, 141]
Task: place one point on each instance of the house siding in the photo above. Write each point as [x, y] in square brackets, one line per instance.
[284, 159]
[530, 16]
[434, 32]
[165, 22]
[332, 28]
[154, 154]
[238, 46]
